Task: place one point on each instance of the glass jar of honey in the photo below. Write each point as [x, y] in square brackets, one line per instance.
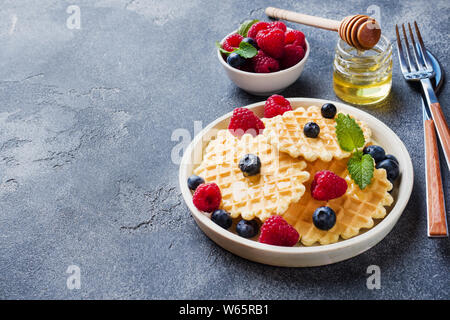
[363, 77]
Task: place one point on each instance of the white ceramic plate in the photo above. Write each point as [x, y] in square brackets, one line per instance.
[301, 256]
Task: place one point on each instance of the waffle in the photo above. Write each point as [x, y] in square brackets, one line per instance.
[271, 192]
[356, 209]
[286, 132]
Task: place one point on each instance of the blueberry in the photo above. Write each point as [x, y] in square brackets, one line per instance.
[391, 168]
[328, 110]
[376, 152]
[251, 41]
[235, 60]
[390, 156]
[324, 218]
[250, 165]
[311, 130]
[247, 229]
[222, 218]
[194, 181]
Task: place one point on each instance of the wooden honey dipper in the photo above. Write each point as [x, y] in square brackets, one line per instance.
[359, 31]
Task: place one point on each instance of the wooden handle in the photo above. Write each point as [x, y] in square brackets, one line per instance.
[442, 129]
[303, 19]
[437, 225]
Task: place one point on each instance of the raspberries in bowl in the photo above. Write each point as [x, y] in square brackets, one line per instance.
[263, 58]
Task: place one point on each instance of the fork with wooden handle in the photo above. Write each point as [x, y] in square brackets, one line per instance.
[423, 70]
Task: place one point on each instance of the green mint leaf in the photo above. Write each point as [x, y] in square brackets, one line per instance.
[349, 134]
[245, 26]
[361, 167]
[246, 50]
[222, 50]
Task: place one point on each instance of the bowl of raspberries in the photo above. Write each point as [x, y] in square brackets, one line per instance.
[263, 58]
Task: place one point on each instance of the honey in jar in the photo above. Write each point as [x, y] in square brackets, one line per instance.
[363, 77]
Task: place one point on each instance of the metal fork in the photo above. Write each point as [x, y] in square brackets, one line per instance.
[421, 70]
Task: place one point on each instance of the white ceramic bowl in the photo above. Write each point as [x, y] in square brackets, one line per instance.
[264, 84]
[302, 256]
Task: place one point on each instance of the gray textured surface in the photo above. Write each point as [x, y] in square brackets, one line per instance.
[86, 118]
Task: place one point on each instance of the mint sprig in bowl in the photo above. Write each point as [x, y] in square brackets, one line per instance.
[261, 84]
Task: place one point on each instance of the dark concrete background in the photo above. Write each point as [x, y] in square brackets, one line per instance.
[86, 176]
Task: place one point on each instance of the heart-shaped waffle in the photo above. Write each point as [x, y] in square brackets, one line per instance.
[356, 209]
[286, 133]
[279, 184]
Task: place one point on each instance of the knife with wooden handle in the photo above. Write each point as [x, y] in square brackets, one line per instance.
[436, 213]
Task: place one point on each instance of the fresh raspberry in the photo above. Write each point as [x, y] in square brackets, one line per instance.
[327, 185]
[207, 197]
[276, 231]
[292, 55]
[262, 63]
[271, 41]
[278, 24]
[244, 121]
[232, 42]
[276, 105]
[296, 38]
[255, 28]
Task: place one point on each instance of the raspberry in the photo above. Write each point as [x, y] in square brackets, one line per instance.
[276, 231]
[262, 63]
[255, 28]
[276, 105]
[292, 55]
[244, 121]
[296, 38]
[232, 42]
[327, 185]
[271, 41]
[278, 24]
[207, 197]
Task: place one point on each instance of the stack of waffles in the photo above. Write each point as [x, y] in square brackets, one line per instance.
[289, 161]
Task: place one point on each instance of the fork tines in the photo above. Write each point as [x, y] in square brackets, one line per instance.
[421, 59]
